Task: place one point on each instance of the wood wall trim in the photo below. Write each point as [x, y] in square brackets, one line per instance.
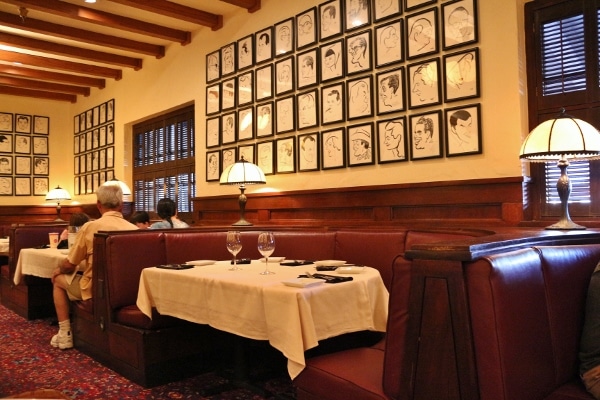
[451, 203]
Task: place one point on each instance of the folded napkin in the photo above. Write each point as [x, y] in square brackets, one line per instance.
[296, 263]
[329, 278]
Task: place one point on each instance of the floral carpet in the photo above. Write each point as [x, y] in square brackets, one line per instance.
[28, 362]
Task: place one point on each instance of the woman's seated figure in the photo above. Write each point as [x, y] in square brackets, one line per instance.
[167, 211]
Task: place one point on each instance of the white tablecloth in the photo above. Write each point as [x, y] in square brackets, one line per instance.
[261, 307]
[4, 246]
[38, 262]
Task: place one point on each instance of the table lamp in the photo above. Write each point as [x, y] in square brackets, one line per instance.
[561, 139]
[242, 173]
[124, 188]
[58, 194]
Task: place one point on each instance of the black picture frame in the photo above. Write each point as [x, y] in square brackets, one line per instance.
[22, 165]
[228, 128]
[40, 145]
[228, 59]
[6, 186]
[247, 152]
[213, 165]
[110, 110]
[22, 123]
[213, 127]
[6, 165]
[331, 18]
[228, 94]
[110, 134]
[213, 66]
[307, 67]
[386, 9]
[285, 112]
[284, 76]
[333, 60]
[410, 5]
[102, 117]
[424, 83]
[308, 152]
[307, 109]
[40, 186]
[264, 153]
[306, 25]
[102, 158]
[228, 157]
[426, 135]
[285, 37]
[392, 142]
[359, 53]
[245, 48]
[389, 43]
[461, 75]
[245, 88]
[110, 158]
[422, 33]
[333, 148]
[463, 130]
[459, 23]
[391, 91]
[264, 83]
[6, 143]
[22, 144]
[264, 119]
[41, 165]
[360, 99]
[81, 122]
[357, 14]
[95, 116]
[333, 100]
[285, 159]
[246, 123]
[361, 144]
[264, 45]
[41, 125]
[22, 186]
[6, 122]
[213, 99]
[75, 123]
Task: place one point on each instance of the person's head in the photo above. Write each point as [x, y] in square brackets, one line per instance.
[166, 209]
[305, 24]
[360, 142]
[393, 134]
[328, 17]
[389, 87]
[424, 82]
[78, 219]
[141, 219]
[423, 132]
[460, 23]
[421, 32]
[109, 198]
[389, 37]
[358, 48]
[330, 58]
[460, 123]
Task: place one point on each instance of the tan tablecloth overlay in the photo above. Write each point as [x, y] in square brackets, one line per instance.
[38, 262]
[261, 307]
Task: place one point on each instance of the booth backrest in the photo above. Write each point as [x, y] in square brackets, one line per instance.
[527, 309]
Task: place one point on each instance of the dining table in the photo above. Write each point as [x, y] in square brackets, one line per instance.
[4, 243]
[39, 262]
[292, 314]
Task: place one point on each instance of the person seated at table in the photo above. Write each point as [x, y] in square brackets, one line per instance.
[141, 219]
[167, 211]
[77, 219]
[69, 286]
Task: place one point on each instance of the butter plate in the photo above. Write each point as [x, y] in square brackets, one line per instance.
[350, 269]
[329, 263]
[303, 282]
[200, 263]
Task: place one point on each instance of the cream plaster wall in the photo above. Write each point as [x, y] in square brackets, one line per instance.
[179, 79]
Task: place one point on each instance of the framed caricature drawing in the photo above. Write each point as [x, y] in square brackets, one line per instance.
[308, 152]
[392, 140]
[360, 144]
[422, 33]
[306, 24]
[330, 13]
[459, 19]
[390, 91]
[284, 37]
[463, 130]
[333, 148]
[425, 132]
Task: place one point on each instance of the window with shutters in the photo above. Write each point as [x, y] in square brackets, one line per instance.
[164, 161]
[563, 71]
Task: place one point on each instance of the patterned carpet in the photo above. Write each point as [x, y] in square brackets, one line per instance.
[28, 362]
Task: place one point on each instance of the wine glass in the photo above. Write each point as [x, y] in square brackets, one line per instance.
[234, 246]
[266, 247]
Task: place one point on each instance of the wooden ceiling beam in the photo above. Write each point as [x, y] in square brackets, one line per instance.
[57, 7]
[41, 75]
[250, 5]
[81, 35]
[52, 63]
[45, 86]
[39, 94]
[178, 11]
[69, 51]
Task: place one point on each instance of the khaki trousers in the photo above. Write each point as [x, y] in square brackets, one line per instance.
[591, 380]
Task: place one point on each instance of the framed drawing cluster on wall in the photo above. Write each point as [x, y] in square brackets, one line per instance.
[347, 83]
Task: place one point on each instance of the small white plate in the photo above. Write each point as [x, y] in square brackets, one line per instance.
[303, 282]
[64, 252]
[351, 269]
[329, 263]
[273, 259]
[200, 263]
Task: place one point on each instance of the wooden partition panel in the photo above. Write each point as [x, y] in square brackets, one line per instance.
[456, 203]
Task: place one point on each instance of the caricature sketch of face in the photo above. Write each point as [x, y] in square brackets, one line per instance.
[393, 132]
[460, 25]
[424, 84]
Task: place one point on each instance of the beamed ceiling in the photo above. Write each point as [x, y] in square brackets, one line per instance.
[60, 49]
